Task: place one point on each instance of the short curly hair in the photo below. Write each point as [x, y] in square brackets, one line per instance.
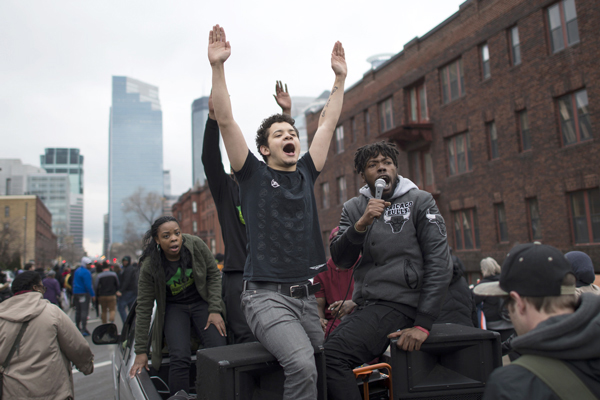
[26, 281]
[365, 153]
[262, 134]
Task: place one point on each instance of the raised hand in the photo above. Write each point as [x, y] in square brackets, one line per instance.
[219, 48]
[282, 97]
[338, 60]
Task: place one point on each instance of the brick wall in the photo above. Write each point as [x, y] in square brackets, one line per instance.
[550, 171]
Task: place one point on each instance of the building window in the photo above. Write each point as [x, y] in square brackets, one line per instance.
[492, 140]
[6, 211]
[213, 246]
[73, 156]
[574, 117]
[562, 20]
[353, 128]
[585, 206]
[418, 104]
[194, 207]
[501, 226]
[386, 115]
[421, 169]
[341, 185]
[466, 230]
[325, 194]
[8, 186]
[453, 82]
[179, 216]
[485, 61]
[195, 227]
[62, 156]
[459, 154]
[367, 123]
[535, 225]
[524, 130]
[339, 139]
[515, 45]
[49, 156]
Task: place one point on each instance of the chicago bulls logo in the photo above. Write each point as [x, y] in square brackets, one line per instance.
[397, 215]
[439, 221]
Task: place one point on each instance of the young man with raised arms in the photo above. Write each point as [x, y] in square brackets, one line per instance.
[279, 207]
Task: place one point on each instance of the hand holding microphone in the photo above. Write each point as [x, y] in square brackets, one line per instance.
[374, 209]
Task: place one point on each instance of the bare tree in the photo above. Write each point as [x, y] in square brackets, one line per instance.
[9, 244]
[143, 206]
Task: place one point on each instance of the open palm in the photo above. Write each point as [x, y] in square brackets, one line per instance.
[338, 59]
[219, 48]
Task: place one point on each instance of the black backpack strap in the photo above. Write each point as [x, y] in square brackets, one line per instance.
[11, 353]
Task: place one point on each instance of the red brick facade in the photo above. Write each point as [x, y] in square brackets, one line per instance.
[197, 215]
[502, 173]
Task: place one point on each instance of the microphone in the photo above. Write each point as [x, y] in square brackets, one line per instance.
[379, 186]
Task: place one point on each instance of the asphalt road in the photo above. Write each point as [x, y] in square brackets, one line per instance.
[99, 384]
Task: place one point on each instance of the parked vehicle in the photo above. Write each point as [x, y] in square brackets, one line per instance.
[148, 385]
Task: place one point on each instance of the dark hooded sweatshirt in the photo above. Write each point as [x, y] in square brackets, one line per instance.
[572, 338]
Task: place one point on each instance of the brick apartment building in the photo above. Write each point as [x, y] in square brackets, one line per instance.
[496, 112]
[26, 230]
[197, 215]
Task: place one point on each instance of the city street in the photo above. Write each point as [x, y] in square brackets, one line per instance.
[98, 385]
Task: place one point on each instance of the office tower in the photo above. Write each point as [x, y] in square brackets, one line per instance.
[199, 117]
[105, 236]
[70, 162]
[55, 192]
[13, 176]
[135, 150]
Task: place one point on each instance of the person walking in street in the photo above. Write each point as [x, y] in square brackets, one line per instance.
[106, 287]
[46, 342]
[129, 287]
[52, 293]
[178, 272]
[83, 293]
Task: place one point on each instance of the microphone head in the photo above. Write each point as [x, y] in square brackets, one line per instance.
[379, 186]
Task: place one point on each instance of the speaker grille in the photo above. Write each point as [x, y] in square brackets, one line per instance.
[472, 396]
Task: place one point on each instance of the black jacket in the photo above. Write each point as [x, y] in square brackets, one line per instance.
[129, 279]
[226, 194]
[458, 306]
[405, 255]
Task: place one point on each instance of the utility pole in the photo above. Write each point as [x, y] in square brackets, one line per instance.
[25, 235]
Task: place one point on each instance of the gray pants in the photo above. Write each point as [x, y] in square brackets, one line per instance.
[290, 330]
[82, 307]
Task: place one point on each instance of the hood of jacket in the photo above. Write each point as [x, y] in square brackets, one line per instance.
[566, 337]
[23, 307]
[403, 186]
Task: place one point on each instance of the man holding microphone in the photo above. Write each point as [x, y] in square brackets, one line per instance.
[404, 273]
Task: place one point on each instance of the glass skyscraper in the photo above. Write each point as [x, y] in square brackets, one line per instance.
[70, 162]
[199, 117]
[135, 149]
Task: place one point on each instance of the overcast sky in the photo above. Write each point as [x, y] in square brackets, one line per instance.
[57, 59]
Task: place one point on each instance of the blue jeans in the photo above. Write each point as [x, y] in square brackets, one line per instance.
[290, 330]
[360, 338]
[124, 304]
[178, 318]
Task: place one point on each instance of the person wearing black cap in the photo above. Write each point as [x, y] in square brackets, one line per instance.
[129, 283]
[584, 272]
[557, 335]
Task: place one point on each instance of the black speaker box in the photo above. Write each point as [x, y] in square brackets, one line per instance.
[246, 372]
[453, 363]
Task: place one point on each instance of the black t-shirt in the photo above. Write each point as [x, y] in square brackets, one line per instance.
[284, 237]
[178, 290]
[226, 193]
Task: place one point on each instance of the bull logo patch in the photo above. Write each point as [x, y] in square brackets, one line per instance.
[439, 221]
[396, 215]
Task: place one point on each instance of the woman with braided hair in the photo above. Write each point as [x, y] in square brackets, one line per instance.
[179, 272]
